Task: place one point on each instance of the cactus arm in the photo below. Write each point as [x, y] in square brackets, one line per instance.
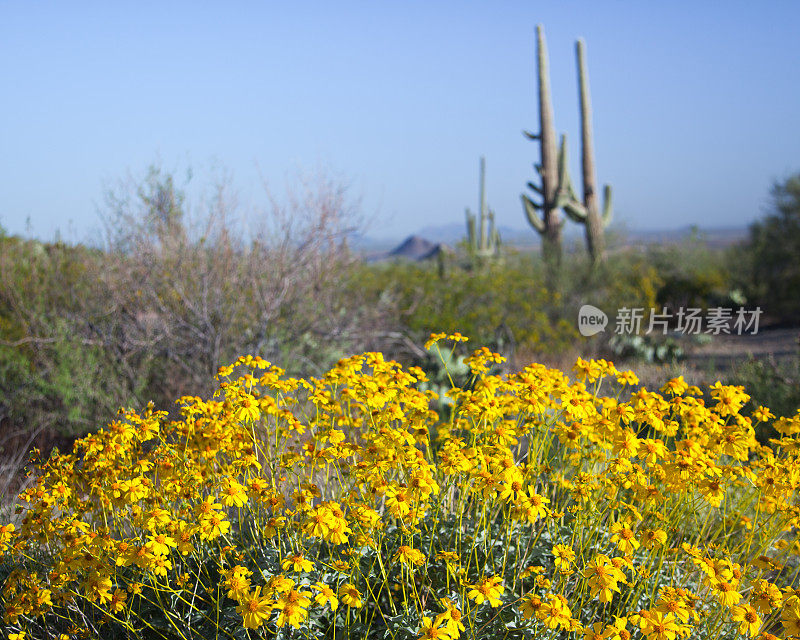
[470, 229]
[532, 212]
[563, 169]
[535, 188]
[575, 211]
[608, 209]
[482, 238]
[566, 197]
[494, 235]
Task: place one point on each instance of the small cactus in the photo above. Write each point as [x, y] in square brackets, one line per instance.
[483, 241]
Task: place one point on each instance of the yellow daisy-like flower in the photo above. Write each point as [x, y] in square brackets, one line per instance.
[349, 595]
[233, 494]
[298, 563]
[160, 544]
[624, 537]
[660, 626]
[254, 608]
[431, 629]
[564, 556]
[409, 556]
[748, 618]
[488, 590]
[325, 596]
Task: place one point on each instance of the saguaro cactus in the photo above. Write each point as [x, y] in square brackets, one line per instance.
[588, 212]
[544, 216]
[483, 242]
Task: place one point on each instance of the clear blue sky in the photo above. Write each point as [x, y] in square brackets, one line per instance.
[696, 104]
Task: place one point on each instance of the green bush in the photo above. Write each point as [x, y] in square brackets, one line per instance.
[768, 266]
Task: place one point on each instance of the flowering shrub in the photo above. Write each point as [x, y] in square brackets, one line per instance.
[341, 507]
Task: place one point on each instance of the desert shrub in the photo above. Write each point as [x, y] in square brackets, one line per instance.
[503, 304]
[625, 279]
[767, 264]
[175, 291]
[54, 373]
[339, 506]
[201, 286]
[692, 275]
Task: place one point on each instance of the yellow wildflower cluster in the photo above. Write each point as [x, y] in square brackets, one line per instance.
[343, 505]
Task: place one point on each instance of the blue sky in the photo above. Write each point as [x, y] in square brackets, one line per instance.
[695, 103]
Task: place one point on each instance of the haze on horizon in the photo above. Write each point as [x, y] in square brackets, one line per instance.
[695, 107]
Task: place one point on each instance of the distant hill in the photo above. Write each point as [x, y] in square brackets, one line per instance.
[428, 240]
[414, 247]
[454, 233]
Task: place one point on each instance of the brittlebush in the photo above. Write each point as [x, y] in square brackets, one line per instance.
[341, 506]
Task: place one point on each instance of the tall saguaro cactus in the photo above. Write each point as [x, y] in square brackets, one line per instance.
[588, 213]
[483, 242]
[544, 216]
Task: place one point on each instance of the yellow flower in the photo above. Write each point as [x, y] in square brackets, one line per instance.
[603, 577]
[762, 414]
[214, 526]
[535, 505]
[233, 494]
[624, 538]
[765, 596]
[431, 631]
[273, 525]
[97, 587]
[790, 616]
[349, 595]
[726, 592]
[488, 590]
[676, 386]
[297, 563]
[564, 556]
[595, 632]
[670, 601]
[325, 596]
[660, 626]
[531, 606]
[318, 522]
[237, 582]
[248, 410]
[293, 606]
[160, 544]
[117, 603]
[409, 556]
[254, 608]
[452, 617]
[652, 538]
[750, 621]
[6, 533]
